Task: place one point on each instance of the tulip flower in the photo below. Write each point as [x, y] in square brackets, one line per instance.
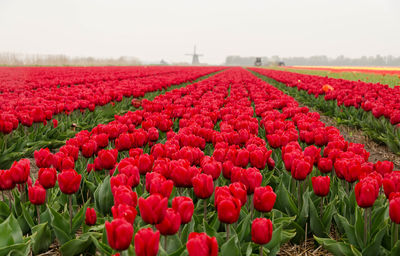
[47, 177]
[366, 192]
[43, 158]
[321, 185]
[184, 206]
[108, 158]
[394, 213]
[169, 225]
[37, 196]
[20, 171]
[69, 181]
[261, 232]
[238, 190]
[90, 217]
[147, 242]
[125, 211]
[125, 195]
[201, 244]
[203, 185]
[152, 210]
[264, 199]
[119, 234]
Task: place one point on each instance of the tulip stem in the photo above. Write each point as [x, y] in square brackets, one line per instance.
[9, 199]
[396, 233]
[299, 195]
[365, 225]
[321, 206]
[205, 209]
[165, 243]
[251, 207]
[227, 232]
[38, 213]
[70, 212]
[261, 250]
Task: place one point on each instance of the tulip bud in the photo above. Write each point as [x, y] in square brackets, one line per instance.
[69, 181]
[203, 185]
[170, 224]
[185, 207]
[394, 210]
[119, 234]
[261, 231]
[229, 210]
[90, 217]
[37, 194]
[152, 210]
[147, 242]
[366, 191]
[264, 199]
[201, 244]
[321, 185]
[47, 177]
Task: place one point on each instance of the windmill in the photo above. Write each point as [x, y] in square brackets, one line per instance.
[195, 59]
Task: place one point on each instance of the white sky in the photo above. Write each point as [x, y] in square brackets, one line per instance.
[154, 30]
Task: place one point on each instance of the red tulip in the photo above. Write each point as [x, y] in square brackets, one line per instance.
[301, 168]
[20, 171]
[264, 199]
[43, 158]
[125, 211]
[147, 242]
[321, 185]
[366, 191]
[185, 207]
[152, 210]
[37, 194]
[242, 158]
[89, 148]
[6, 181]
[69, 181]
[199, 244]
[229, 210]
[203, 185]
[394, 210]
[239, 191]
[261, 231]
[125, 195]
[170, 224]
[325, 165]
[90, 217]
[47, 177]
[227, 169]
[119, 234]
[145, 163]
[108, 158]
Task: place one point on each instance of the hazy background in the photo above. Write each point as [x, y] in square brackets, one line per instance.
[154, 30]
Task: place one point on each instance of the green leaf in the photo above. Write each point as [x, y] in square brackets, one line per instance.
[243, 228]
[396, 249]
[79, 218]
[103, 197]
[4, 210]
[10, 232]
[189, 228]
[20, 249]
[41, 238]
[284, 201]
[337, 248]
[27, 216]
[76, 246]
[359, 227]
[230, 248]
[349, 229]
[316, 225]
[60, 226]
[374, 248]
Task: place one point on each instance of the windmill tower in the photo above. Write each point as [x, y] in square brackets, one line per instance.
[195, 57]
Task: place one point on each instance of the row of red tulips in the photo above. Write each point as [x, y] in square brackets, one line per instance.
[379, 99]
[40, 93]
[186, 139]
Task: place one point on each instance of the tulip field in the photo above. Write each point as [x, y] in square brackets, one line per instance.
[194, 161]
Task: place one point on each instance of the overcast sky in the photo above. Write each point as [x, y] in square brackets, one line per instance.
[154, 30]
